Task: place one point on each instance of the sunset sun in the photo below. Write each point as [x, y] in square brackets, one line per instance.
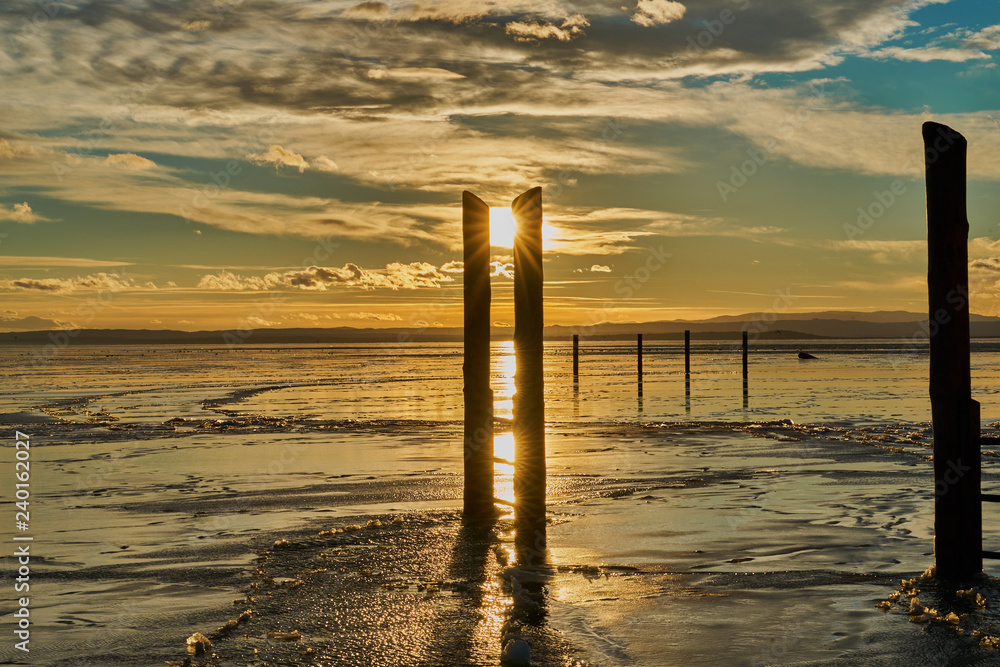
[502, 227]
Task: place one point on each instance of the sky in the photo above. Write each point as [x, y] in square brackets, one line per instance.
[237, 164]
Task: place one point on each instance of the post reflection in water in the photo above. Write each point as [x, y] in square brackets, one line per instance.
[510, 601]
[474, 634]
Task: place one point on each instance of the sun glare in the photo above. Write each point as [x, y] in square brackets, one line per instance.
[502, 227]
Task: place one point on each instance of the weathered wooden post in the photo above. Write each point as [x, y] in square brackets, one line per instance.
[687, 352]
[957, 504]
[478, 440]
[687, 370]
[529, 387]
[576, 361]
[746, 374]
[638, 351]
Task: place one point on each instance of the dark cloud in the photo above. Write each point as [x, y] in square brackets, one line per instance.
[987, 264]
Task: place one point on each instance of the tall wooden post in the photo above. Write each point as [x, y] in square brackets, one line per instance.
[478, 440]
[529, 387]
[957, 504]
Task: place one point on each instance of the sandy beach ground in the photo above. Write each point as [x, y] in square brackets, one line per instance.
[694, 543]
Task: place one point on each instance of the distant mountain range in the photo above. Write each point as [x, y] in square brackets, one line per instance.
[763, 326]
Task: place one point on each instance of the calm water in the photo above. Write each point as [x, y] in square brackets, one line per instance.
[875, 381]
[760, 530]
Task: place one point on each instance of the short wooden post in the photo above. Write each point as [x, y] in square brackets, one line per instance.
[746, 374]
[529, 388]
[958, 538]
[576, 360]
[687, 352]
[638, 351]
[478, 439]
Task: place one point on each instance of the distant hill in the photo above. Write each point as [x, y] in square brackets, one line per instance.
[791, 326]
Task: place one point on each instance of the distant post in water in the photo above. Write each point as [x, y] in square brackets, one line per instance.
[478, 437]
[576, 361]
[687, 370]
[746, 374]
[957, 503]
[529, 387]
[638, 351]
[687, 352]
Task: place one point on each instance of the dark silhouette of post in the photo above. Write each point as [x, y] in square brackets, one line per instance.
[687, 352]
[478, 440]
[529, 398]
[576, 361]
[957, 504]
[746, 374]
[638, 352]
[687, 370]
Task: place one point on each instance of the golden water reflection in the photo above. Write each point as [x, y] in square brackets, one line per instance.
[502, 367]
[503, 474]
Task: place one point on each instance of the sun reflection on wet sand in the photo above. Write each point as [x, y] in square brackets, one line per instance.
[503, 365]
[503, 474]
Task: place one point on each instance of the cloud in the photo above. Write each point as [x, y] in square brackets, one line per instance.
[323, 163]
[46, 262]
[453, 267]
[279, 156]
[10, 320]
[129, 161]
[600, 268]
[884, 252]
[197, 26]
[929, 53]
[525, 31]
[503, 269]
[650, 13]
[21, 213]
[259, 321]
[378, 317]
[413, 73]
[227, 281]
[454, 11]
[98, 282]
[395, 276]
[986, 264]
[987, 39]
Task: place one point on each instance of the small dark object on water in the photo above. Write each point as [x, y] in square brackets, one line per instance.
[806, 355]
